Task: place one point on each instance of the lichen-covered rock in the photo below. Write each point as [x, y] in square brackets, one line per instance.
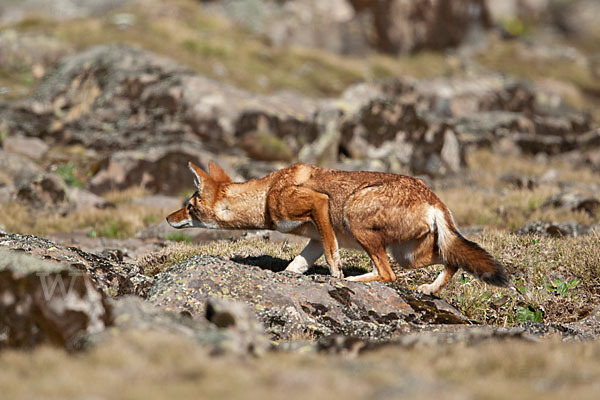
[485, 128]
[237, 319]
[589, 326]
[482, 111]
[111, 276]
[146, 116]
[324, 151]
[117, 97]
[296, 305]
[330, 25]
[519, 181]
[241, 335]
[396, 133]
[82, 199]
[47, 302]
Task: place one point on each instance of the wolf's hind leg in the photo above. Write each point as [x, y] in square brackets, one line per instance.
[442, 280]
[381, 271]
[373, 245]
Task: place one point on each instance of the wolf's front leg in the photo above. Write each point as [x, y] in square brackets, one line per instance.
[308, 256]
[296, 203]
[320, 217]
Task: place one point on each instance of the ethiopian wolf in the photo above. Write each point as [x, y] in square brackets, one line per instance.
[371, 211]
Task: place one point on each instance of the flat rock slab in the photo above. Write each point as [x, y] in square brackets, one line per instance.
[291, 305]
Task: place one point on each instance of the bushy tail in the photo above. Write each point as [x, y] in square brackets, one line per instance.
[460, 252]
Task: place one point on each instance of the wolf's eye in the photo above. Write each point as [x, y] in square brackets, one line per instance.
[189, 207]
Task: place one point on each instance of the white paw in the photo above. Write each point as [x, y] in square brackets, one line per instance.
[295, 268]
[298, 265]
[426, 289]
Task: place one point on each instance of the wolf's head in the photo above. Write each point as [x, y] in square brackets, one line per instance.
[198, 210]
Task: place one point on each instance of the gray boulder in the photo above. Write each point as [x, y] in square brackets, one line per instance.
[229, 328]
[47, 192]
[18, 168]
[357, 26]
[574, 202]
[33, 148]
[116, 97]
[47, 302]
[405, 26]
[160, 169]
[113, 277]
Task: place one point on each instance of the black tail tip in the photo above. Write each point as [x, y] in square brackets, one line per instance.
[497, 278]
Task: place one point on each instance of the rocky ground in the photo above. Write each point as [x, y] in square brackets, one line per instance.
[103, 104]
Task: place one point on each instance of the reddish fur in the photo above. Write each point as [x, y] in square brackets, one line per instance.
[472, 258]
[179, 215]
[374, 210]
[217, 173]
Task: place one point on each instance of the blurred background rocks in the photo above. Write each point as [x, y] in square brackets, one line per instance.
[493, 104]
[109, 96]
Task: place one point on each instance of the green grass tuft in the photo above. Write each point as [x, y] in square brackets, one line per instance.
[69, 174]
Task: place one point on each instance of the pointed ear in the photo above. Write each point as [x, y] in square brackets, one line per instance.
[217, 173]
[198, 174]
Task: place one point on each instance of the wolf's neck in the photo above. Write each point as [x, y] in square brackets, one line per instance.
[243, 205]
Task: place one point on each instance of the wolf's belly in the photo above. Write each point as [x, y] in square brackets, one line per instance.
[309, 230]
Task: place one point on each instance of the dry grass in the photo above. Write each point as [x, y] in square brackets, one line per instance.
[509, 209]
[146, 365]
[124, 196]
[485, 167]
[16, 84]
[534, 264]
[5, 179]
[120, 222]
[151, 365]
[491, 203]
